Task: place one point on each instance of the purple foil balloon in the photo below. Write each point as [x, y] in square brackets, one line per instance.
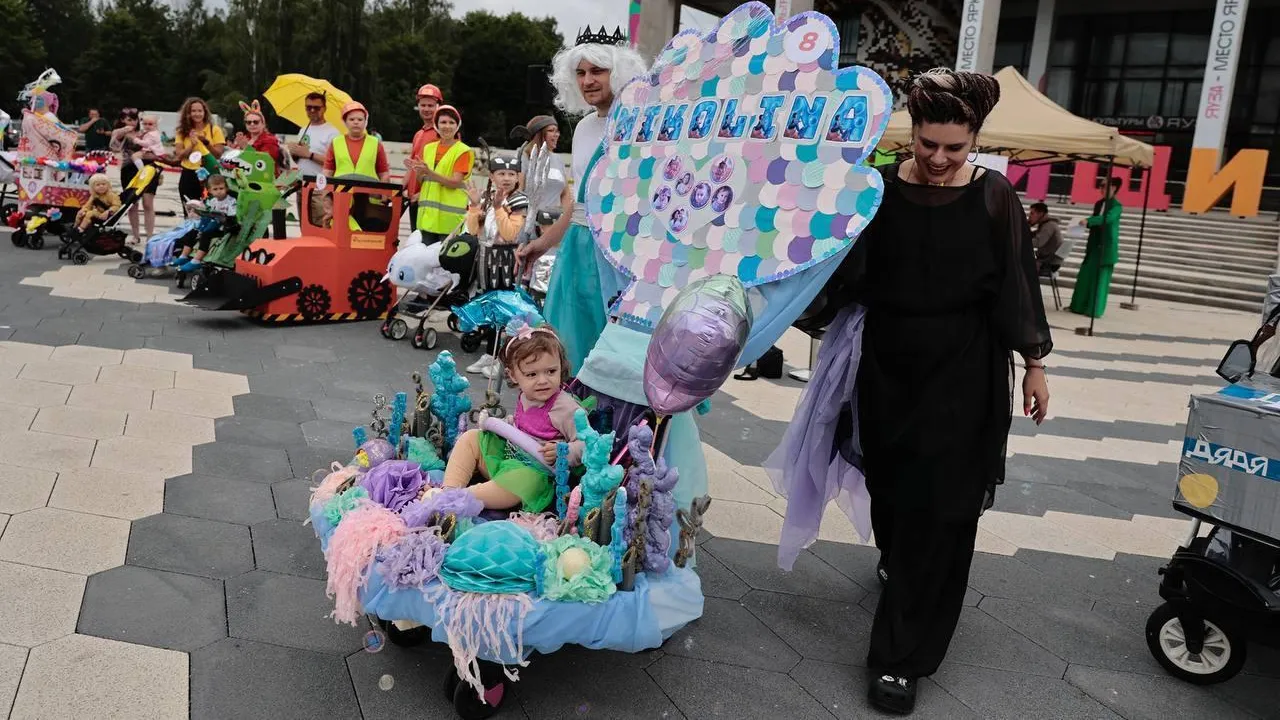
[373, 453]
[696, 344]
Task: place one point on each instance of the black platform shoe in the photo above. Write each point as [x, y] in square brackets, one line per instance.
[893, 693]
[882, 573]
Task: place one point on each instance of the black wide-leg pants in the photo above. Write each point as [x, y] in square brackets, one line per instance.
[927, 559]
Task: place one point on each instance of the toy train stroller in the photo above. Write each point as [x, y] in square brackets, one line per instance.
[105, 237]
[1222, 590]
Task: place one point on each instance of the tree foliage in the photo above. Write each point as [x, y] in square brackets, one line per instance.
[145, 54]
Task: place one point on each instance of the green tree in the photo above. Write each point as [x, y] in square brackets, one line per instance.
[412, 45]
[21, 53]
[105, 76]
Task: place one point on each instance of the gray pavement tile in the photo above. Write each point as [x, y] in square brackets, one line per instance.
[73, 324]
[152, 607]
[1132, 615]
[872, 601]
[319, 371]
[17, 319]
[1263, 661]
[45, 337]
[703, 689]
[6, 332]
[189, 327]
[191, 346]
[856, 562]
[114, 341]
[253, 343]
[986, 642]
[217, 498]
[242, 462]
[1075, 635]
[1252, 692]
[288, 547]
[584, 683]
[1134, 376]
[328, 433]
[823, 630]
[843, 691]
[417, 677]
[218, 363]
[131, 326]
[1152, 697]
[1003, 695]
[292, 498]
[305, 460]
[306, 353]
[718, 581]
[286, 384]
[289, 611]
[1006, 577]
[1127, 579]
[1027, 498]
[353, 412]
[347, 388]
[1133, 357]
[1139, 501]
[728, 632]
[237, 678]
[256, 431]
[269, 407]
[193, 546]
[1097, 429]
[1161, 338]
[757, 565]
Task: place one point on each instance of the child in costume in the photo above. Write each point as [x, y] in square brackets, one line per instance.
[509, 204]
[537, 365]
[102, 202]
[218, 201]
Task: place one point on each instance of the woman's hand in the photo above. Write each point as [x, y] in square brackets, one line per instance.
[528, 254]
[1035, 393]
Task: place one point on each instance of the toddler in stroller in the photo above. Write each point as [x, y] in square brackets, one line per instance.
[97, 231]
[217, 217]
[103, 201]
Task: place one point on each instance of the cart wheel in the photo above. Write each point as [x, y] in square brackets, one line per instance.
[195, 281]
[470, 342]
[453, 322]
[35, 241]
[19, 238]
[80, 257]
[430, 339]
[180, 281]
[1220, 659]
[451, 682]
[135, 256]
[136, 272]
[399, 329]
[471, 706]
[385, 329]
[405, 638]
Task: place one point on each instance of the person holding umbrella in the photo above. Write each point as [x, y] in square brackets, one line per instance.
[429, 99]
[314, 140]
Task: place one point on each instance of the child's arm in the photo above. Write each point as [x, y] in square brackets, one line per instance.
[561, 416]
[509, 224]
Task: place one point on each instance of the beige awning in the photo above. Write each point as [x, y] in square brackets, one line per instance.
[1028, 127]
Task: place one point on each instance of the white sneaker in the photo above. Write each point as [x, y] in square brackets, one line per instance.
[492, 370]
[479, 365]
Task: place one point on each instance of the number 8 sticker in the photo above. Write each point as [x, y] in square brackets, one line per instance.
[808, 42]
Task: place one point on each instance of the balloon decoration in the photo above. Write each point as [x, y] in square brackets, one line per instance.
[696, 344]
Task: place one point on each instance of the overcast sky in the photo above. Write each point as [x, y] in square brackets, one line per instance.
[574, 14]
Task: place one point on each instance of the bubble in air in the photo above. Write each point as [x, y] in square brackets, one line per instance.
[584, 708]
[374, 641]
[386, 682]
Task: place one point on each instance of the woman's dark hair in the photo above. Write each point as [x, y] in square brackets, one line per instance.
[952, 96]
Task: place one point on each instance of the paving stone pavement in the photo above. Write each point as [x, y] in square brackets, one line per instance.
[158, 464]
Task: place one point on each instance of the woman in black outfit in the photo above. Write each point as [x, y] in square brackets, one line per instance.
[946, 273]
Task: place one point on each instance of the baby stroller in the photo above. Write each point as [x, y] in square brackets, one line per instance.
[1222, 591]
[435, 276]
[158, 256]
[105, 237]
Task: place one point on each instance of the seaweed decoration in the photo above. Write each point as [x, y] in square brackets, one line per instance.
[360, 435]
[690, 523]
[651, 484]
[398, 408]
[450, 403]
[617, 539]
[600, 477]
[380, 425]
[562, 480]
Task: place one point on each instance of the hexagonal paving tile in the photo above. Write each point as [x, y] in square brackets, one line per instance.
[24, 489]
[136, 376]
[288, 547]
[87, 355]
[16, 418]
[33, 393]
[96, 423]
[708, 689]
[110, 396]
[153, 607]
[327, 433]
[289, 611]
[243, 462]
[727, 629]
[159, 359]
[112, 679]
[292, 499]
[113, 493]
[193, 402]
[242, 679]
[757, 565]
[130, 453]
[211, 381]
[190, 545]
[63, 540]
[269, 407]
[25, 352]
[256, 431]
[63, 373]
[215, 498]
[12, 661]
[37, 604]
[817, 629]
[169, 427]
[45, 451]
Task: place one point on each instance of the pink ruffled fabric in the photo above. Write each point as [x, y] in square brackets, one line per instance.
[543, 527]
[352, 548]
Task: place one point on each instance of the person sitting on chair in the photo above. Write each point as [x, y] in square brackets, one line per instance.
[1046, 236]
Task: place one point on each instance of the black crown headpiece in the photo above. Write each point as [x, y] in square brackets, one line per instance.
[602, 37]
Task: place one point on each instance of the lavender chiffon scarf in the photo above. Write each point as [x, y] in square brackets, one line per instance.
[807, 467]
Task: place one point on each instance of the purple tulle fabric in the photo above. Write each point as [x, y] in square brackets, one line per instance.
[413, 562]
[807, 467]
[394, 483]
[449, 500]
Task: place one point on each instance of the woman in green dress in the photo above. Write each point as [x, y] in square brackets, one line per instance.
[1093, 283]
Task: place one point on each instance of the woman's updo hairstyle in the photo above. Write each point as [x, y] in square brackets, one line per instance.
[944, 96]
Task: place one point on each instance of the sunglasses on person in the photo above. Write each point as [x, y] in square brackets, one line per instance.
[314, 108]
[252, 122]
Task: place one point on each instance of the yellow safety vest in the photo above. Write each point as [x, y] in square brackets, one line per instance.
[441, 208]
[366, 164]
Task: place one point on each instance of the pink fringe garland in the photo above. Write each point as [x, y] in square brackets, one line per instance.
[352, 548]
[474, 621]
[543, 527]
[329, 486]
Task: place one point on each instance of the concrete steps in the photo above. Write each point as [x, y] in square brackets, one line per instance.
[1213, 260]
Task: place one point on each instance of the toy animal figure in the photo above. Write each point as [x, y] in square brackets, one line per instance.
[600, 477]
[451, 399]
[690, 525]
[258, 191]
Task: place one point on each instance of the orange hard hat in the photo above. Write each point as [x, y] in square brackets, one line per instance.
[352, 107]
[449, 110]
[430, 90]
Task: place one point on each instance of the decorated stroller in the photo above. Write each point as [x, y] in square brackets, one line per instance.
[611, 564]
[432, 277]
[105, 237]
[157, 257]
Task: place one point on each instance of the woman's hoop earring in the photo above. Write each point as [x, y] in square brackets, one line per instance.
[973, 157]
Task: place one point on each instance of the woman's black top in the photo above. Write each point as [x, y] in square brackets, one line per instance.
[948, 279]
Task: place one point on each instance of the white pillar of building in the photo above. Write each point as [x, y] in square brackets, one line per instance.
[976, 48]
[1225, 41]
[659, 22]
[1040, 43]
[783, 9]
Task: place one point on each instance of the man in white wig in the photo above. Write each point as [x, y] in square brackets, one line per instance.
[586, 78]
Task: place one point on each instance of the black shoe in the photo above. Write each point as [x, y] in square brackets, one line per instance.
[882, 573]
[893, 693]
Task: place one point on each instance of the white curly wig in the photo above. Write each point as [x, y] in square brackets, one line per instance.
[623, 63]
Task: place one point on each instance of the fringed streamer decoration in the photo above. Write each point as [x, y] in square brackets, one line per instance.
[543, 527]
[337, 477]
[349, 560]
[478, 622]
[414, 561]
[339, 505]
